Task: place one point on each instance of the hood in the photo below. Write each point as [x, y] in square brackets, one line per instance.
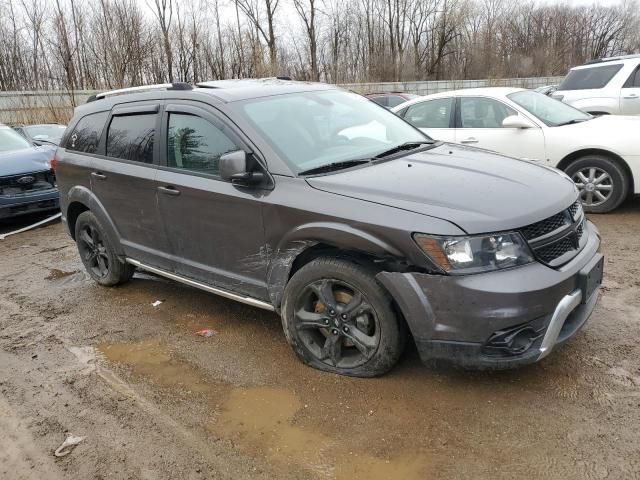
[35, 159]
[477, 190]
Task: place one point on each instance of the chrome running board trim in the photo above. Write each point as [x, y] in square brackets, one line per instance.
[563, 310]
[223, 293]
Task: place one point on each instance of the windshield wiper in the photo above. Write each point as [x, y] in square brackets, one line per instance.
[332, 167]
[572, 121]
[403, 147]
[46, 141]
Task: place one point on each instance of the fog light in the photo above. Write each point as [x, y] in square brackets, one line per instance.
[512, 341]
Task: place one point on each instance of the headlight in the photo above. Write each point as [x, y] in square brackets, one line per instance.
[460, 255]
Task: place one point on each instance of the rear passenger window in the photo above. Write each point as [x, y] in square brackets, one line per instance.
[430, 114]
[86, 136]
[131, 137]
[394, 101]
[589, 78]
[195, 144]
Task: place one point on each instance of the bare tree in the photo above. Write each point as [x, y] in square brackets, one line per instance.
[258, 12]
[164, 14]
[307, 10]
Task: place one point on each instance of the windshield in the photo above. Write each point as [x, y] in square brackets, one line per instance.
[53, 133]
[314, 129]
[11, 140]
[552, 112]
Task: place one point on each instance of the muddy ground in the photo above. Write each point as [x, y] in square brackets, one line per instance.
[155, 401]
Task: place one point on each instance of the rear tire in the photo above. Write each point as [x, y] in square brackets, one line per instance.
[339, 319]
[97, 254]
[603, 183]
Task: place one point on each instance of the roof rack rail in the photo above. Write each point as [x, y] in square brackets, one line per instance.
[142, 88]
[611, 59]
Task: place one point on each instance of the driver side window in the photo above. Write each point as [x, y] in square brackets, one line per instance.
[195, 144]
[479, 112]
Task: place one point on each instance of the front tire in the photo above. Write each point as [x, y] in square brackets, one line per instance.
[339, 319]
[603, 184]
[97, 254]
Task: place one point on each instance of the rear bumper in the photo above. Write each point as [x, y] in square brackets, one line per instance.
[461, 319]
[29, 203]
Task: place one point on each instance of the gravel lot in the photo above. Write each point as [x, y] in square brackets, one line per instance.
[155, 401]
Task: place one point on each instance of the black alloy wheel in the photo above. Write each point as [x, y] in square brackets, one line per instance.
[337, 324]
[93, 252]
[337, 317]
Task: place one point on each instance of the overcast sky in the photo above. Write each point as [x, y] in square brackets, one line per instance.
[584, 2]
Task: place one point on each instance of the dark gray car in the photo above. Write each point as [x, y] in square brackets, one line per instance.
[318, 204]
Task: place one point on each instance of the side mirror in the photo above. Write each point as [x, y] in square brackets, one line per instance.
[516, 121]
[234, 168]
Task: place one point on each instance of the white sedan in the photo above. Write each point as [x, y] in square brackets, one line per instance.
[601, 154]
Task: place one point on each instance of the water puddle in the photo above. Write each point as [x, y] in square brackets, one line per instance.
[267, 422]
[263, 419]
[153, 361]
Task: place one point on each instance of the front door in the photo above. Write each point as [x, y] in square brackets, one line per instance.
[630, 95]
[215, 229]
[480, 125]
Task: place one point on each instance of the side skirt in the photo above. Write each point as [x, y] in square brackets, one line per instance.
[192, 283]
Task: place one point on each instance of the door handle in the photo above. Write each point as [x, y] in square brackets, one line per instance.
[169, 190]
[469, 140]
[99, 175]
[633, 95]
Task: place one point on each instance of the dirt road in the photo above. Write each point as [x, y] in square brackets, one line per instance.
[154, 401]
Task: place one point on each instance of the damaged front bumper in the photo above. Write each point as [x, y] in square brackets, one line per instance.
[499, 319]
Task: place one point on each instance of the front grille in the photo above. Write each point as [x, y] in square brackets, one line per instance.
[575, 208]
[27, 182]
[543, 227]
[555, 250]
[557, 239]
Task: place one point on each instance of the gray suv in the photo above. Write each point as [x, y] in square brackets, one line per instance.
[352, 225]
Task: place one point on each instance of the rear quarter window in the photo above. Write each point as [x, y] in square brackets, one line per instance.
[590, 78]
[86, 135]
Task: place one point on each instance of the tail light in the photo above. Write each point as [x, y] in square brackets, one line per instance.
[54, 161]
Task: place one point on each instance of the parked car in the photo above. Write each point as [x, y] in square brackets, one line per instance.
[604, 86]
[312, 202]
[390, 99]
[547, 90]
[27, 182]
[602, 155]
[44, 134]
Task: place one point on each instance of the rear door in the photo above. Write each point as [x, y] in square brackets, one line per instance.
[215, 229]
[630, 94]
[434, 117]
[479, 122]
[123, 180]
